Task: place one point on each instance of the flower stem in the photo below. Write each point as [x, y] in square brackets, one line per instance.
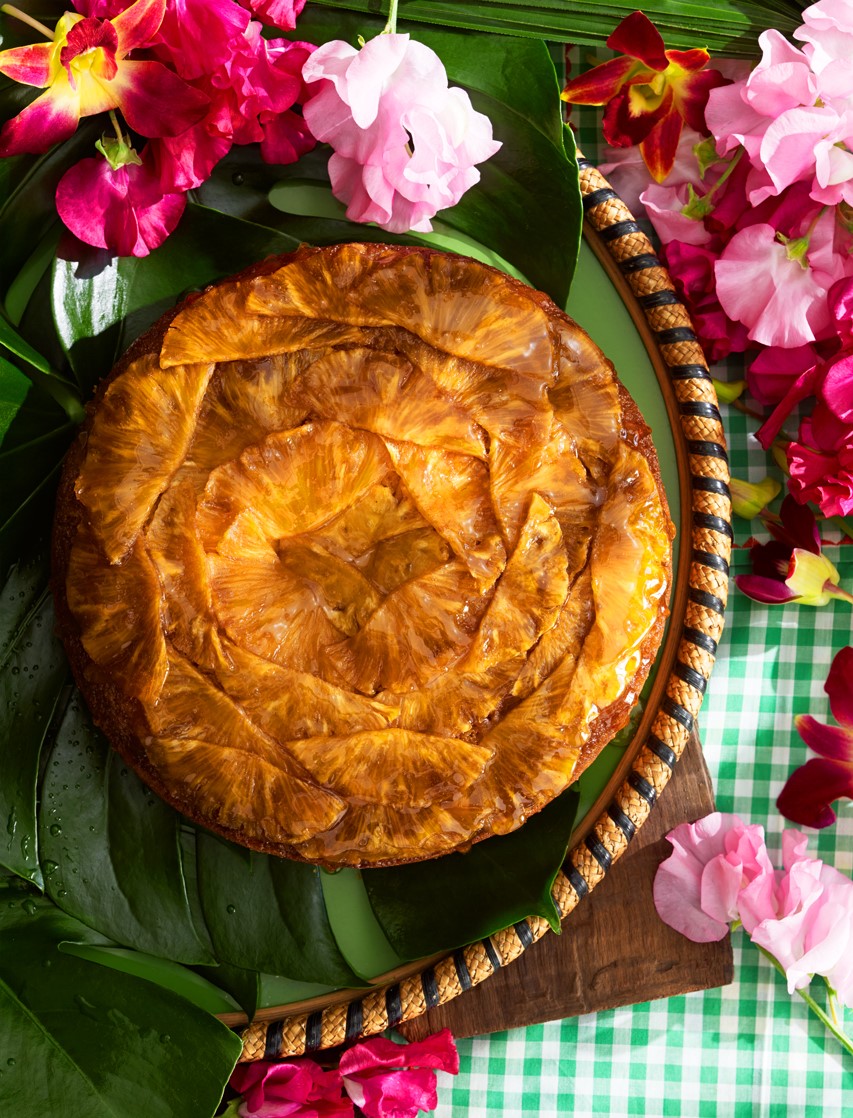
[753, 414]
[833, 1026]
[836, 592]
[391, 26]
[16, 13]
[116, 128]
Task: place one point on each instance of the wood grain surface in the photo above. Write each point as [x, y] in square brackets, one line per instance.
[613, 949]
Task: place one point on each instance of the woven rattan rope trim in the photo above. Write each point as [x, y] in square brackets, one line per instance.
[590, 860]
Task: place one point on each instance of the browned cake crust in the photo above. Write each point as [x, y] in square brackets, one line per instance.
[123, 689]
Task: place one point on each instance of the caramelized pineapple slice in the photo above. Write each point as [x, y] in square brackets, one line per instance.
[247, 796]
[384, 393]
[120, 623]
[419, 630]
[181, 564]
[138, 439]
[385, 511]
[219, 325]
[292, 482]
[452, 493]
[272, 612]
[406, 556]
[344, 594]
[245, 402]
[288, 704]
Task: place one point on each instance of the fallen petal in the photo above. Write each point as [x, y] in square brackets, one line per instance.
[810, 790]
[839, 687]
[765, 590]
[832, 742]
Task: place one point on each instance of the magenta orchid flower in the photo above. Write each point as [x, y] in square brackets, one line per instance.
[649, 92]
[811, 788]
[85, 69]
[388, 1080]
[791, 568]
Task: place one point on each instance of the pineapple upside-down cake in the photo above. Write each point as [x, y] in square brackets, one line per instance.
[362, 555]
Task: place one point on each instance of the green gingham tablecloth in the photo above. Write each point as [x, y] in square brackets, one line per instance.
[747, 1050]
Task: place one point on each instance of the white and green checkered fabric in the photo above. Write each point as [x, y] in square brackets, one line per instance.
[748, 1050]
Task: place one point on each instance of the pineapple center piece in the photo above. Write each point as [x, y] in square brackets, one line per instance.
[380, 558]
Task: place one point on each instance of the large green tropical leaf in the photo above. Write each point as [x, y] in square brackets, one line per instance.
[728, 27]
[464, 897]
[82, 1039]
[110, 849]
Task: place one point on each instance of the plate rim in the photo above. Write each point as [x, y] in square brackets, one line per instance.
[696, 623]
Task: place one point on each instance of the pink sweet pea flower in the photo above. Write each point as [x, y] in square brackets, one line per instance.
[627, 173]
[388, 1080]
[123, 210]
[290, 1089]
[811, 932]
[719, 871]
[649, 92]
[276, 13]
[669, 210]
[776, 369]
[405, 145]
[85, 70]
[814, 786]
[791, 568]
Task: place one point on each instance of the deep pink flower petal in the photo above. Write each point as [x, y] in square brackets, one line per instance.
[764, 590]
[775, 369]
[388, 1080]
[286, 138]
[833, 742]
[600, 84]
[839, 687]
[89, 35]
[276, 13]
[836, 390]
[50, 119]
[294, 1087]
[155, 101]
[199, 37]
[394, 1094]
[693, 91]
[436, 1051]
[797, 527]
[637, 36]
[810, 790]
[841, 307]
[803, 386]
[28, 65]
[137, 24]
[124, 211]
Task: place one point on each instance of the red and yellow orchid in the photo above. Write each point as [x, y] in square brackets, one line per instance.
[649, 92]
[85, 69]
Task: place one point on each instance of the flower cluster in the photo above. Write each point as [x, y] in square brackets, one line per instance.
[381, 1078]
[209, 79]
[756, 226]
[720, 874]
[192, 78]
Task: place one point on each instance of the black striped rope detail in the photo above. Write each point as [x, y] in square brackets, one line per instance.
[690, 676]
[677, 712]
[355, 1020]
[713, 524]
[314, 1031]
[524, 933]
[596, 197]
[272, 1044]
[430, 986]
[494, 958]
[393, 1006]
[599, 851]
[700, 639]
[462, 972]
[642, 787]
[709, 559]
[689, 372]
[706, 449]
[709, 601]
[711, 485]
[618, 229]
[639, 263]
[661, 750]
[702, 409]
[675, 335]
[583, 164]
[654, 299]
[576, 878]
[622, 821]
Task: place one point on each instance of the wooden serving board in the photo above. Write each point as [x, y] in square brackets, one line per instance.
[613, 950]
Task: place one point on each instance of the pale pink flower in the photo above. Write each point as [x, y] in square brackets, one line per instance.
[812, 930]
[388, 1080]
[827, 32]
[405, 145]
[628, 174]
[718, 872]
[664, 206]
[123, 210]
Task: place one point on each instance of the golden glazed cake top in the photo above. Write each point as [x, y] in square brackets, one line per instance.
[362, 555]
